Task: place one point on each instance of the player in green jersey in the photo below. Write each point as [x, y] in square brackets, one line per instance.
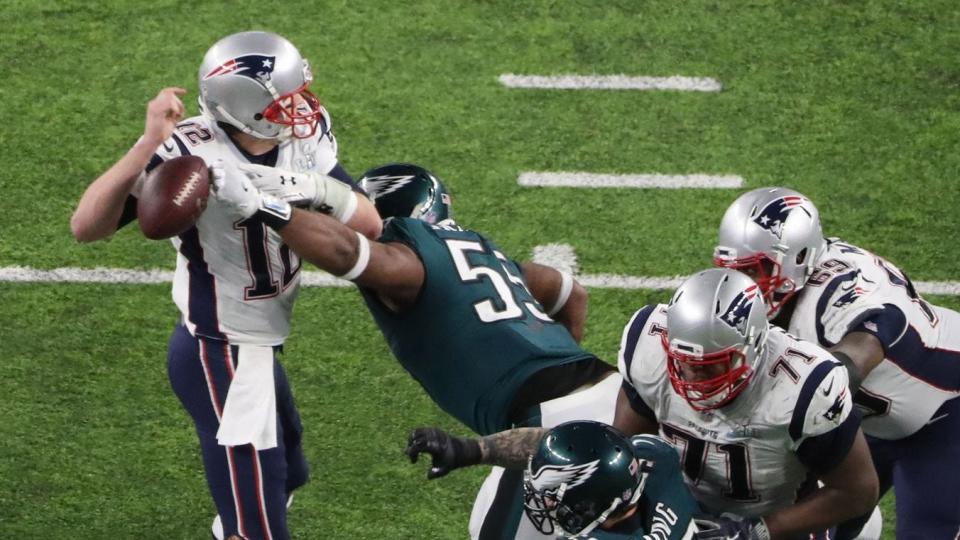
[492, 341]
[582, 479]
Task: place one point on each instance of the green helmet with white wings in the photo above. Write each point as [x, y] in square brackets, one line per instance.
[407, 190]
[582, 473]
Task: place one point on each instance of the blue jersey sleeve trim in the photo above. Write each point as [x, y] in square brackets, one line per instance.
[888, 325]
[180, 145]
[823, 304]
[155, 161]
[129, 212]
[810, 386]
[636, 402]
[634, 331]
[824, 452]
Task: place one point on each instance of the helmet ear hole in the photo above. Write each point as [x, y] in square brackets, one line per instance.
[801, 256]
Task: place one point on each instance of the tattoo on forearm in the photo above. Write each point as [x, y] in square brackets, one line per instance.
[511, 449]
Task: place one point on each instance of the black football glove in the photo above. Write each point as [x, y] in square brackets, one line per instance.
[447, 452]
[730, 527]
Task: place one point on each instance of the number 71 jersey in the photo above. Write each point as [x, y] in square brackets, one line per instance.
[753, 455]
[235, 279]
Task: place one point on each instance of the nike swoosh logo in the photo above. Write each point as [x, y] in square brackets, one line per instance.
[168, 148]
[941, 417]
[826, 391]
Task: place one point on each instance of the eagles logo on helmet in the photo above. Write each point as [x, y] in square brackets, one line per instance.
[407, 190]
[582, 473]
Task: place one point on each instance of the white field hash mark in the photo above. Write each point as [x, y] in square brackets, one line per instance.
[638, 181]
[611, 82]
[557, 255]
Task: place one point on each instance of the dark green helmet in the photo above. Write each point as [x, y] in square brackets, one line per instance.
[582, 473]
[407, 190]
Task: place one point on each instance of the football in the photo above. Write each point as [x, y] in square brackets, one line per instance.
[173, 197]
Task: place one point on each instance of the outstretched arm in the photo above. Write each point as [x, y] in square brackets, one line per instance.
[509, 449]
[98, 212]
[564, 299]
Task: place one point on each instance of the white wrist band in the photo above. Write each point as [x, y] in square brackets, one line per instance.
[363, 258]
[351, 208]
[566, 286]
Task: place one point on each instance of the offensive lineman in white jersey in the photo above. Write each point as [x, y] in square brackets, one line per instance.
[902, 353]
[753, 411]
[235, 281]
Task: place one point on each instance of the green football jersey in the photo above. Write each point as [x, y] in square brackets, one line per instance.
[475, 333]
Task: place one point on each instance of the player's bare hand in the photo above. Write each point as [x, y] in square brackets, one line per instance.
[163, 113]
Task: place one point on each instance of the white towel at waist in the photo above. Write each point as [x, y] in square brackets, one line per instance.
[250, 413]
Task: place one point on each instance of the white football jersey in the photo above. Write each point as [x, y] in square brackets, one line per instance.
[745, 457]
[235, 279]
[852, 289]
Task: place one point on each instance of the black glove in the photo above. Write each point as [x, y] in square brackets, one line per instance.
[730, 527]
[448, 452]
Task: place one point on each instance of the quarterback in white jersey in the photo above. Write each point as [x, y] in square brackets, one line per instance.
[902, 353]
[235, 281]
[754, 412]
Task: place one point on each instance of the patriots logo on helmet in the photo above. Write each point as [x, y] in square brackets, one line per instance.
[254, 66]
[378, 186]
[738, 311]
[775, 213]
[553, 476]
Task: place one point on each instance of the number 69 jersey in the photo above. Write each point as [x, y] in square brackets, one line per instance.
[236, 280]
[751, 456]
[853, 290]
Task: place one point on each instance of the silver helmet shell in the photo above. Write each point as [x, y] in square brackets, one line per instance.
[258, 83]
[774, 235]
[716, 332]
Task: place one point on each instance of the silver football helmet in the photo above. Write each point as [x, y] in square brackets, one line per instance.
[774, 235]
[258, 83]
[716, 332]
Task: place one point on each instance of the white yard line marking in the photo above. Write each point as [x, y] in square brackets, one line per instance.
[557, 255]
[611, 82]
[642, 181]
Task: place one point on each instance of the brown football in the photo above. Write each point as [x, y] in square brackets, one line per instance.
[173, 197]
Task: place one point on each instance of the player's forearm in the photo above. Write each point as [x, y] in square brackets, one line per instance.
[321, 240]
[823, 509]
[510, 449]
[101, 205]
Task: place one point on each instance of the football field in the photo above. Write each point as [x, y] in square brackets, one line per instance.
[855, 104]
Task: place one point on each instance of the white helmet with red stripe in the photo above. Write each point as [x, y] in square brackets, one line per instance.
[773, 235]
[258, 83]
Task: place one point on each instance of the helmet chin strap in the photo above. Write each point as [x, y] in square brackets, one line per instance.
[613, 505]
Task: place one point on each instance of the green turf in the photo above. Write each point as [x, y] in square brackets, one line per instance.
[854, 103]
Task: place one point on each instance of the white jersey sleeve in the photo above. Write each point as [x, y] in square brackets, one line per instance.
[642, 361]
